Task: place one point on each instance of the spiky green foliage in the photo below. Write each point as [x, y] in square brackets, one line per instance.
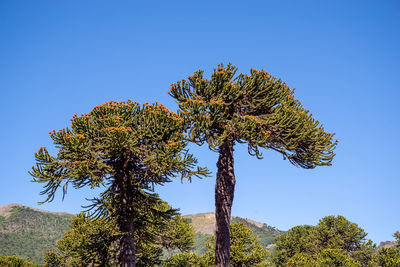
[397, 236]
[125, 147]
[177, 235]
[88, 242]
[298, 239]
[388, 257]
[334, 234]
[144, 141]
[301, 260]
[245, 248]
[15, 261]
[185, 259]
[51, 259]
[95, 240]
[335, 257]
[257, 109]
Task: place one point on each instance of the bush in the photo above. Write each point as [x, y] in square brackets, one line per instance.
[301, 260]
[387, 257]
[186, 259]
[15, 261]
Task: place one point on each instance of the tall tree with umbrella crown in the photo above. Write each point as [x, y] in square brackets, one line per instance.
[125, 147]
[257, 109]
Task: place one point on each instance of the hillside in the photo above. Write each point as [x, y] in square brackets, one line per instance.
[204, 226]
[28, 232]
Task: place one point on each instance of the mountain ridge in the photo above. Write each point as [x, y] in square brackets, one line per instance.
[5, 210]
[29, 232]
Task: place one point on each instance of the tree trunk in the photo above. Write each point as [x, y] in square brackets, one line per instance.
[127, 246]
[224, 192]
[125, 221]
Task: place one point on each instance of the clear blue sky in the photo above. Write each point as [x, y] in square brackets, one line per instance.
[58, 58]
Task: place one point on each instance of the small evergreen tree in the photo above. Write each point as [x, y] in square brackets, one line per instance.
[328, 241]
[90, 241]
[126, 147]
[186, 259]
[397, 236]
[298, 240]
[388, 257]
[51, 259]
[335, 258]
[95, 240]
[245, 248]
[336, 232]
[301, 260]
[15, 261]
[257, 109]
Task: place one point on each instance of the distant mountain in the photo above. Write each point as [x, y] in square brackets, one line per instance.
[204, 226]
[29, 232]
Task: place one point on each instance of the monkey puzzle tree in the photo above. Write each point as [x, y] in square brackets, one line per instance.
[125, 147]
[333, 235]
[388, 256]
[257, 109]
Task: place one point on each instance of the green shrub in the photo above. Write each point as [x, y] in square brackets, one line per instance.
[15, 261]
[186, 259]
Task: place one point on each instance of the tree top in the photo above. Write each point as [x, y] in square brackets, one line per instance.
[143, 141]
[258, 109]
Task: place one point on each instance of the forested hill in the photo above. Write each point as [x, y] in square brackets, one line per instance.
[28, 232]
[204, 226]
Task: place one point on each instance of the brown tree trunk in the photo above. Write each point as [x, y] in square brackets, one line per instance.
[224, 192]
[125, 221]
[127, 246]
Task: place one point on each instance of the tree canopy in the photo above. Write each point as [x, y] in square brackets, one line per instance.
[258, 109]
[389, 257]
[333, 239]
[145, 140]
[15, 261]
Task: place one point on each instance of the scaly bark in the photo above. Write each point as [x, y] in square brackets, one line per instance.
[127, 256]
[127, 246]
[224, 193]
